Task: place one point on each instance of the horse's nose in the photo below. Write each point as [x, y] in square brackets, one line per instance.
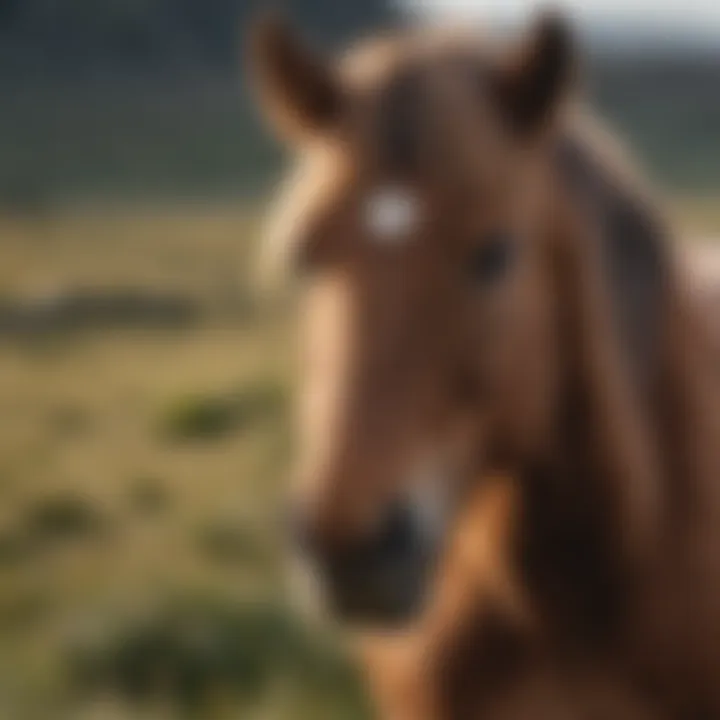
[375, 576]
[328, 542]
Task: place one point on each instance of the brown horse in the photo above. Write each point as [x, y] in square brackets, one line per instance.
[489, 290]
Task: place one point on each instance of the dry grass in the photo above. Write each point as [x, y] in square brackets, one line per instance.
[91, 421]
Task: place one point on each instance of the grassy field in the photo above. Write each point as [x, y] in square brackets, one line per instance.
[140, 472]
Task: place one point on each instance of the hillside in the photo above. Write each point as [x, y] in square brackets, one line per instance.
[111, 98]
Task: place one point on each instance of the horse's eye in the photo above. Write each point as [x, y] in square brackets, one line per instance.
[492, 258]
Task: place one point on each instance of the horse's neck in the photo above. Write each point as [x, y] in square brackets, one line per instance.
[633, 455]
[691, 413]
[642, 367]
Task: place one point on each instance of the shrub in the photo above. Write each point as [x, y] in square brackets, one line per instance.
[191, 651]
[63, 516]
[205, 417]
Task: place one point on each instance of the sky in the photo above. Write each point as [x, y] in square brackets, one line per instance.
[694, 19]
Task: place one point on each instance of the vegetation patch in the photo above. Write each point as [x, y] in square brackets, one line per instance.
[63, 516]
[207, 417]
[191, 653]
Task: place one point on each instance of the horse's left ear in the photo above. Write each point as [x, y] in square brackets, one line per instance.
[296, 87]
[533, 81]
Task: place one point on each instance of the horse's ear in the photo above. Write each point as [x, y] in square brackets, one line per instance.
[531, 83]
[296, 88]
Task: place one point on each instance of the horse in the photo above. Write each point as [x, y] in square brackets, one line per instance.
[509, 437]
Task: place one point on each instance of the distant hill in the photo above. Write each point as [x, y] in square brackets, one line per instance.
[668, 104]
[82, 39]
[145, 97]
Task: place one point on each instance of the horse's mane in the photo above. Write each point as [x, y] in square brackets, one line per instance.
[634, 252]
[595, 501]
[637, 471]
[656, 321]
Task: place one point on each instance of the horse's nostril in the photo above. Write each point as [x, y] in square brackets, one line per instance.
[395, 535]
[378, 574]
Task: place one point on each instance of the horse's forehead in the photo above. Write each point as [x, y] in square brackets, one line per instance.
[420, 114]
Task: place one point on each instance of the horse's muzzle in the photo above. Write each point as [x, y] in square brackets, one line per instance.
[379, 580]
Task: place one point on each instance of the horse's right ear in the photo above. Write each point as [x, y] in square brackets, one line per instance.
[534, 79]
[296, 88]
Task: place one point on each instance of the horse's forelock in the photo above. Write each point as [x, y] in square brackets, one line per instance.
[304, 199]
[403, 105]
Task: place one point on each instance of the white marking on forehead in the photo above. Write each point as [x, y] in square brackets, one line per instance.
[391, 214]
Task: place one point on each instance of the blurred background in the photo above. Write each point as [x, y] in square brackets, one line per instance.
[144, 429]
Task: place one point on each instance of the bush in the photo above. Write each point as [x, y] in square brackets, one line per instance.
[206, 417]
[190, 652]
[63, 516]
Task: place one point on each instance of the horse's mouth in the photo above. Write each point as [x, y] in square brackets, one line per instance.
[387, 591]
[385, 583]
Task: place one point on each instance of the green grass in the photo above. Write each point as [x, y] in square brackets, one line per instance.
[204, 417]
